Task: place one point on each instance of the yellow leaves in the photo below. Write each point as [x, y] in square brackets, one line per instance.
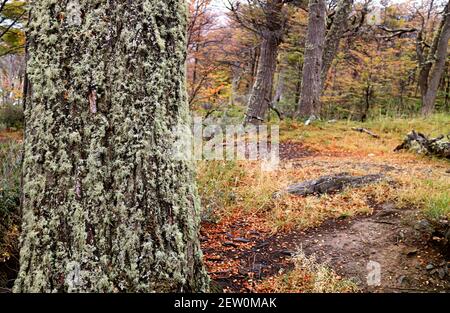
[5, 256]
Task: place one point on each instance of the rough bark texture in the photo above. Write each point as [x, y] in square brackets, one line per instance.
[330, 184]
[432, 68]
[104, 208]
[271, 35]
[311, 82]
[334, 35]
[262, 88]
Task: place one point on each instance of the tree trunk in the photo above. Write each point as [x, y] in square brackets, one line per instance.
[311, 82]
[447, 92]
[271, 33]
[253, 68]
[367, 97]
[279, 90]
[329, 184]
[432, 71]
[236, 72]
[298, 84]
[104, 208]
[334, 35]
[261, 93]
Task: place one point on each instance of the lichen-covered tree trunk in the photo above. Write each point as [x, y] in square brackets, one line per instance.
[105, 208]
[261, 94]
[311, 82]
[433, 67]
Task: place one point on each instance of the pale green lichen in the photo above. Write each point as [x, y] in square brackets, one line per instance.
[105, 209]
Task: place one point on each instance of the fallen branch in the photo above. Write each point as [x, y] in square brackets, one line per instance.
[329, 184]
[364, 130]
[421, 144]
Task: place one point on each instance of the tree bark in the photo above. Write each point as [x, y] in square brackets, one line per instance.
[330, 184]
[104, 208]
[279, 90]
[309, 104]
[271, 35]
[334, 35]
[433, 69]
[447, 92]
[253, 66]
[236, 72]
[262, 87]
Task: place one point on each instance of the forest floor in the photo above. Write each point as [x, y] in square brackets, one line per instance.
[254, 242]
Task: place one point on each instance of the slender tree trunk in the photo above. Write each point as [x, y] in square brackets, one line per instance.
[104, 208]
[253, 69]
[298, 85]
[334, 35]
[235, 80]
[367, 97]
[194, 68]
[311, 82]
[433, 70]
[280, 87]
[261, 93]
[447, 92]
[402, 91]
[424, 67]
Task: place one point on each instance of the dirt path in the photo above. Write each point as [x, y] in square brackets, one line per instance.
[400, 242]
[392, 238]
[409, 259]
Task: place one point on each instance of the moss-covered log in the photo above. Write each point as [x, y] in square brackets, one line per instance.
[104, 208]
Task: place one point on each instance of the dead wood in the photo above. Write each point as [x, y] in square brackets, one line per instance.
[329, 184]
[421, 144]
[364, 130]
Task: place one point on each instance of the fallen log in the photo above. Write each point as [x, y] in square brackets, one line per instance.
[421, 144]
[330, 184]
[364, 130]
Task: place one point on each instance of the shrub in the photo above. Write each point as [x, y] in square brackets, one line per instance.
[9, 211]
[11, 116]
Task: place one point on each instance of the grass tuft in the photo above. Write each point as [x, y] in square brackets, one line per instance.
[308, 276]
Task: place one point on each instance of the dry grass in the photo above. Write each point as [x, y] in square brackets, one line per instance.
[308, 276]
[11, 135]
[429, 192]
[231, 188]
[339, 137]
[245, 189]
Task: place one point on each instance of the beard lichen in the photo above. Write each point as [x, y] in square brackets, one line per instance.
[105, 209]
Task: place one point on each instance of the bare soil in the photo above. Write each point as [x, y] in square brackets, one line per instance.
[409, 253]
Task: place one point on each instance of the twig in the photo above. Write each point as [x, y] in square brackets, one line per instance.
[364, 130]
